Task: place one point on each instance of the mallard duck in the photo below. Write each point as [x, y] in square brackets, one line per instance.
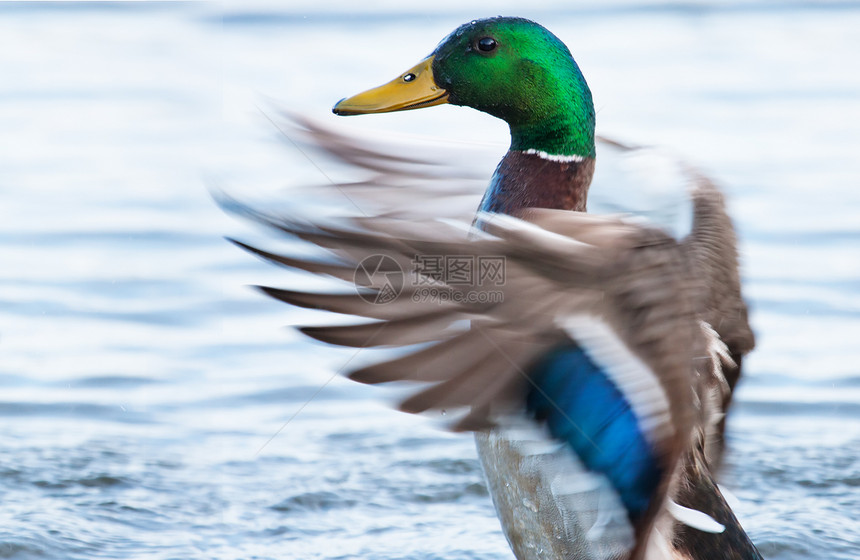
[598, 379]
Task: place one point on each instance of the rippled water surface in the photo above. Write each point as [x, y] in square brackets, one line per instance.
[152, 406]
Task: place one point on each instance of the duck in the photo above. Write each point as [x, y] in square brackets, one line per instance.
[598, 376]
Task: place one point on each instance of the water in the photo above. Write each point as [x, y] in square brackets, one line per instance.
[143, 382]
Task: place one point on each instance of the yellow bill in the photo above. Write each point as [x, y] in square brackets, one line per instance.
[411, 90]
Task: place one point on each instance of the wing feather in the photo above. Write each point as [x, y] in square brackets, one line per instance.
[438, 362]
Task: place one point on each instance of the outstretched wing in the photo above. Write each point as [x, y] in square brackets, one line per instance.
[388, 175]
[590, 331]
[424, 179]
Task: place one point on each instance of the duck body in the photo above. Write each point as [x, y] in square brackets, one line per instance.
[597, 502]
[571, 511]
[596, 389]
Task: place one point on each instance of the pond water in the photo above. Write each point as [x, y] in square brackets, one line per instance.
[153, 406]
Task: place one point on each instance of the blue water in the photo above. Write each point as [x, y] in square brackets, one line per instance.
[153, 406]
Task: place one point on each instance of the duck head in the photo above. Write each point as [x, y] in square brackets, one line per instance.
[511, 68]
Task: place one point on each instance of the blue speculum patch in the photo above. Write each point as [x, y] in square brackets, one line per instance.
[582, 407]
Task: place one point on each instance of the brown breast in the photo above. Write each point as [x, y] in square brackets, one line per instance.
[523, 180]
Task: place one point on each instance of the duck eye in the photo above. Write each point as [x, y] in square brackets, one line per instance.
[409, 77]
[487, 44]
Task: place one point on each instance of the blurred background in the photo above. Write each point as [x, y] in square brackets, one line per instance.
[153, 406]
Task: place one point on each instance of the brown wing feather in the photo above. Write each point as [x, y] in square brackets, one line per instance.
[548, 275]
[712, 249]
[438, 362]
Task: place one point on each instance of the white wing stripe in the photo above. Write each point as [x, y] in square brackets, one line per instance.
[694, 518]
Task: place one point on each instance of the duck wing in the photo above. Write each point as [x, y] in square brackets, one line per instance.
[655, 185]
[712, 249]
[405, 176]
[418, 178]
[586, 328]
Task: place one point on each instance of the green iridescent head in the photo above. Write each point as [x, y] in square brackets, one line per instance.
[516, 70]
[511, 68]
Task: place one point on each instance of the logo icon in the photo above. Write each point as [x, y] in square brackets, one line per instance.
[382, 277]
